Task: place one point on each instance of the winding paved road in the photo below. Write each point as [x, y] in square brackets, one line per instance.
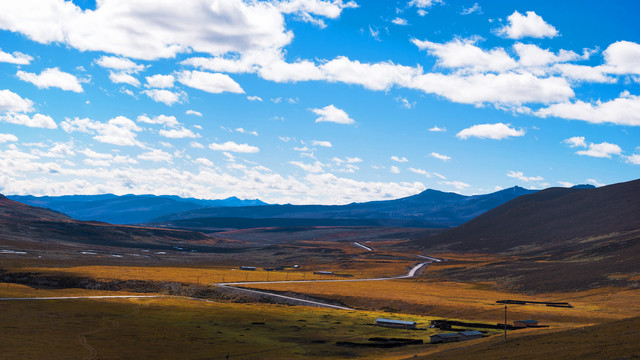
[234, 285]
[84, 297]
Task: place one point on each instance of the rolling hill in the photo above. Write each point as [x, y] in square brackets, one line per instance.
[548, 218]
[560, 239]
[431, 208]
[23, 226]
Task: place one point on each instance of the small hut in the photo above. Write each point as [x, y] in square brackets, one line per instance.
[525, 323]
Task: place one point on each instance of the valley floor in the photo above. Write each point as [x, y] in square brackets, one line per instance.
[198, 320]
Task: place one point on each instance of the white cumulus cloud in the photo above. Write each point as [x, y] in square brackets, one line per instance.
[459, 185]
[16, 57]
[160, 81]
[622, 57]
[424, 3]
[520, 176]
[496, 131]
[36, 121]
[12, 102]
[399, 21]
[156, 155]
[123, 78]
[602, 150]
[203, 161]
[177, 133]
[170, 121]
[531, 25]
[316, 167]
[330, 113]
[214, 83]
[634, 159]
[399, 159]
[117, 131]
[52, 77]
[624, 110]
[440, 156]
[321, 143]
[137, 28]
[234, 147]
[461, 53]
[193, 112]
[435, 128]
[576, 141]
[165, 96]
[119, 64]
[7, 137]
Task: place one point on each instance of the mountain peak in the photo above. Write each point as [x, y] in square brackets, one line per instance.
[583, 186]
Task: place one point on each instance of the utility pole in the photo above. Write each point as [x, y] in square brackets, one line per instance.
[505, 323]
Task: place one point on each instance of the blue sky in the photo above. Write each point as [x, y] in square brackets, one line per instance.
[311, 101]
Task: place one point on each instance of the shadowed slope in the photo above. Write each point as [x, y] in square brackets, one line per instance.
[548, 218]
[28, 226]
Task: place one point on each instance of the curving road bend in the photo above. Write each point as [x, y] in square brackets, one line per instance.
[410, 274]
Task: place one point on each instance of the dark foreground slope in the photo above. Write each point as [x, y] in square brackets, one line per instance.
[614, 340]
[431, 208]
[23, 226]
[561, 239]
[549, 217]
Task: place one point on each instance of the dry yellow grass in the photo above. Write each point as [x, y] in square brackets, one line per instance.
[357, 268]
[474, 301]
[186, 329]
[23, 291]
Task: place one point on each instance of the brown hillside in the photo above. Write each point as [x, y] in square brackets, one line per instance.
[559, 240]
[23, 226]
[550, 218]
[10, 210]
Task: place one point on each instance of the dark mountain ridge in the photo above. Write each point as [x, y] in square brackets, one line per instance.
[430, 208]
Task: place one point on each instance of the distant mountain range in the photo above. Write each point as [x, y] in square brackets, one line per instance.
[428, 209]
[125, 209]
[431, 208]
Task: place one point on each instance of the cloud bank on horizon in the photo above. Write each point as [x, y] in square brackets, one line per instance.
[315, 101]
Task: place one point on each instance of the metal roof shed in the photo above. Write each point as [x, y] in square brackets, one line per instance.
[471, 334]
[396, 323]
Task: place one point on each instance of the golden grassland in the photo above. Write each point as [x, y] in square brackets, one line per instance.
[8, 290]
[171, 328]
[357, 268]
[165, 328]
[475, 301]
